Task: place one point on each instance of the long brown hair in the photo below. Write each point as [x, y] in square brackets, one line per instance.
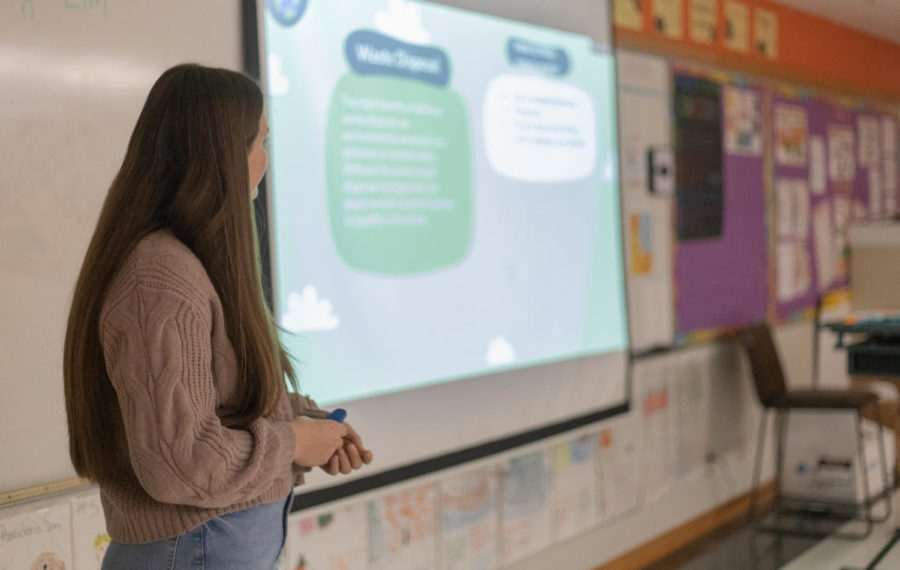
[185, 169]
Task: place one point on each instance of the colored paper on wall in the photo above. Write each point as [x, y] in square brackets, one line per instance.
[574, 487]
[329, 539]
[402, 530]
[469, 521]
[818, 173]
[692, 402]
[876, 192]
[791, 135]
[641, 238]
[786, 270]
[867, 129]
[618, 446]
[38, 539]
[659, 438]
[89, 537]
[737, 26]
[841, 155]
[824, 242]
[801, 200]
[667, 19]
[743, 122]
[765, 33]
[628, 14]
[704, 20]
[526, 506]
[889, 135]
[785, 207]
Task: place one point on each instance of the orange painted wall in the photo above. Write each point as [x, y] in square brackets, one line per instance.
[811, 49]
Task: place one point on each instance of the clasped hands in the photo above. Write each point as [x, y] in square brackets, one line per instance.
[332, 446]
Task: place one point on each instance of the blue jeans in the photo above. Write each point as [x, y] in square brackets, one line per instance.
[244, 540]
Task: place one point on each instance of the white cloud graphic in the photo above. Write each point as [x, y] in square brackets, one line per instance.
[307, 312]
[279, 83]
[403, 20]
[500, 351]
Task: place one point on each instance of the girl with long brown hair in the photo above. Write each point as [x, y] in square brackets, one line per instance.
[174, 375]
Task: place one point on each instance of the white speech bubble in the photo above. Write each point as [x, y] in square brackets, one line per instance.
[539, 130]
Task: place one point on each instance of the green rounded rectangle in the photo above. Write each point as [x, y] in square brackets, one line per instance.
[398, 175]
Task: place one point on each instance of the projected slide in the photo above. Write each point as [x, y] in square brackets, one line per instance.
[444, 194]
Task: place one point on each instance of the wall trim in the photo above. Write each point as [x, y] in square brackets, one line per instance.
[694, 529]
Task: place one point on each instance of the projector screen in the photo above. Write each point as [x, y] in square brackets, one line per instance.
[444, 210]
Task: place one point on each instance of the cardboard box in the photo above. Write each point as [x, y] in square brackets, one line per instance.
[821, 459]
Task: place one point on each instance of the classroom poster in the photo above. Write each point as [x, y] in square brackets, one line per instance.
[841, 154]
[525, 507]
[825, 244]
[737, 26]
[659, 437]
[640, 228]
[469, 520]
[37, 540]
[791, 132]
[667, 19]
[876, 192]
[703, 16]
[890, 161]
[793, 264]
[620, 475]
[867, 127]
[628, 14]
[328, 539]
[692, 400]
[89, 537]
[574, 487]
[743, 121]
[818, 172]
[402, 529]
[765, 33]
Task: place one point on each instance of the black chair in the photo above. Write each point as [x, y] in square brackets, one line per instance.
[768, 378]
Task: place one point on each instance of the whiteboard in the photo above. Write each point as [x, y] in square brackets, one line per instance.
[75, 74]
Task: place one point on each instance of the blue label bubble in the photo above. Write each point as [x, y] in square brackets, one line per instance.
[287, 12]
[538, 57]
[371, 53]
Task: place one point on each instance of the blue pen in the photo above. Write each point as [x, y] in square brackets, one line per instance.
[337, 415]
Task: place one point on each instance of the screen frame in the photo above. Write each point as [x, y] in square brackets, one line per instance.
[254, 59]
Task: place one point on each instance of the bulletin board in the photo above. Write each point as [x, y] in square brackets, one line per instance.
[720, 280]
[834, 162]
[797, 168]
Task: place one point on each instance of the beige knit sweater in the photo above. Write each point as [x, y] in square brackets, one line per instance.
[174, 370]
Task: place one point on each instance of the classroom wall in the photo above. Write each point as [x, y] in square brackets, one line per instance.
[728, 411]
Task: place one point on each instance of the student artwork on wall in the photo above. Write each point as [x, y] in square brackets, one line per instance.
[525, 506]
[89, 537]
[38, 540]
[841, 180]
[574, 490]
[469, 520]
[327, 539]
[402, 529]
[618, 456]
[743, 121]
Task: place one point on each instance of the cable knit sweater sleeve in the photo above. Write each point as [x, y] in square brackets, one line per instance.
[159, 356]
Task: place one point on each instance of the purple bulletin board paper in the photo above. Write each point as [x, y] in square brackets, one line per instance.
[822, 115]
[722, 282]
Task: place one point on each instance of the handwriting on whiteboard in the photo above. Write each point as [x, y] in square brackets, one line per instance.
[31, 7]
